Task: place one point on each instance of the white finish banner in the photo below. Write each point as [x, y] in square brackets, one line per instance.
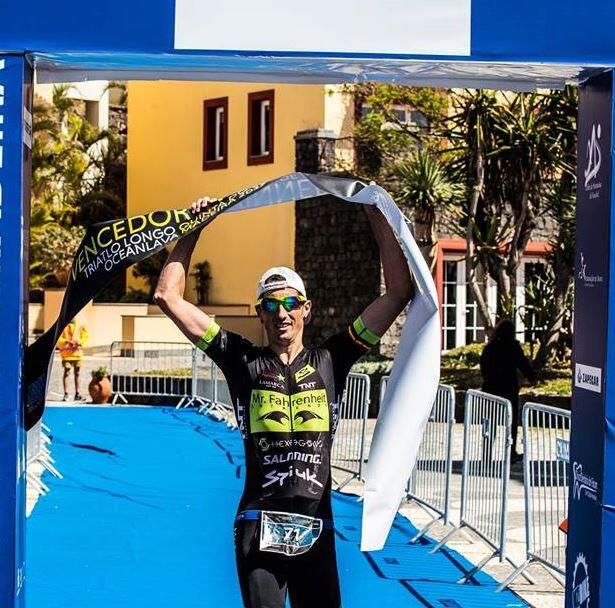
[436, 27]
[413, 384]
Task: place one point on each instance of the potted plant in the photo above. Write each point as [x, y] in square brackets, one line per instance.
[100, 386]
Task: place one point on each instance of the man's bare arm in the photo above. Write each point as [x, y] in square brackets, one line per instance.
[169, 294]
[381, 313]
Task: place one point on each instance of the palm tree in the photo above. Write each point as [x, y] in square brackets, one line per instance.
[78, 176]
[562, 107]
[509, 151]
[421, 184]
[470, 132]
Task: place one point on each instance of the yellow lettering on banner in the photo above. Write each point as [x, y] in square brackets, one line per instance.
[98, 239]
[131, 227]
[118, 230]
[183, 213]
[81, 261]
[99, 235]
[153, 222]
[87, 249]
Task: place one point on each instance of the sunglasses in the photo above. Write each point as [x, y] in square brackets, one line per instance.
[289, 303]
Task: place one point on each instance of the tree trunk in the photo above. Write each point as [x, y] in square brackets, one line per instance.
[555, 324]
[471, 263]
[426, 237]
[524, 225]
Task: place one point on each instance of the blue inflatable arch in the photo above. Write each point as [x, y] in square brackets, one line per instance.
[449, 43]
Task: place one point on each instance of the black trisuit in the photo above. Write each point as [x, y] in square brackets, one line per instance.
[287, 415]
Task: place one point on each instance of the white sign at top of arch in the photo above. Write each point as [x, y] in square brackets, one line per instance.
[437, 27]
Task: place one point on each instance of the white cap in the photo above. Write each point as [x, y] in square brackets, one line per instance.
[290, 279]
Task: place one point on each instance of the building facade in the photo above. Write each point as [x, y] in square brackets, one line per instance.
[192, 139]
[94, 94]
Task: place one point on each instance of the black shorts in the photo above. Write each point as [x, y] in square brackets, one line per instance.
[310, 579]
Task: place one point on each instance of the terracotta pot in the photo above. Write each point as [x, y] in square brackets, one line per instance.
[100, 390]
[62, 274]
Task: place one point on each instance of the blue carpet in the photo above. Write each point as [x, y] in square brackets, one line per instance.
[144, 518]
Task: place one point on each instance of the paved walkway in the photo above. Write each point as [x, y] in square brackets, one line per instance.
[545, 593]
[144, 513]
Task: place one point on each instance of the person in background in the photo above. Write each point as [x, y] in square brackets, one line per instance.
[500, 363]
[70, 345]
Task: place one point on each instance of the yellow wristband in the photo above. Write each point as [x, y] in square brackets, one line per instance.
[208, 337]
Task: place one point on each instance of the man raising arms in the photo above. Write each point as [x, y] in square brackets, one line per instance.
[286, 398]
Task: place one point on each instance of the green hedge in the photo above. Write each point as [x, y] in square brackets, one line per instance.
[460, 367]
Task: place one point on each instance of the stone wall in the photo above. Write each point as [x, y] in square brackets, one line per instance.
[337, 257]
[315, 151]
[335, 251]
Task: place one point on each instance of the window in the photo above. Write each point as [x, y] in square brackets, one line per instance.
[404, 116]
[260, 127]
[449, 305]
[215, 134]
[417, 120]
[462, 321]
[475, 324]
[92, 113]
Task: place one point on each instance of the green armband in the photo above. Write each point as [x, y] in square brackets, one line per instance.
[208, 337]
[364, 334]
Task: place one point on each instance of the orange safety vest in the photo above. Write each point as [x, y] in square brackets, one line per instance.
[71, 341]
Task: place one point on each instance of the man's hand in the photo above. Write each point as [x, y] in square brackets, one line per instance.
[200, 204]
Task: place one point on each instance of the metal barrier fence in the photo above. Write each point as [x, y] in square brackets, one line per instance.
[203, 381]
[429, 484]
[169, 369]
[38, 457]
[211, 391]
[179, 369]
[546, 437]
[161, 369]
[348, 450]
[486, 471]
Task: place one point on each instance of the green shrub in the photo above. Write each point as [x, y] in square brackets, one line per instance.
[134, 296]
[464, 356]
[100, 372]
[461, 378]
[371, 368]
[180, 372]
[52, 249]
[460, 368]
